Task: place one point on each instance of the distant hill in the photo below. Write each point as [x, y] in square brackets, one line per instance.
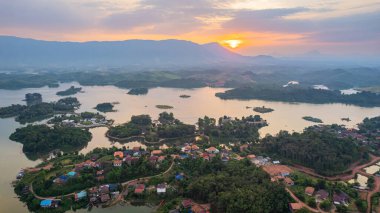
[16, 51]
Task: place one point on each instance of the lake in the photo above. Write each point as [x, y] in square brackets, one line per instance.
[286, 116]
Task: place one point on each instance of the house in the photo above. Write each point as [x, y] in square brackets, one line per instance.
[105, 198]
[179, 176]
[48, 204]
[117, 163]
[161, 158]
[194, 147]
[288, 181]
[341, 198]
[61, 179]
[276, 162]
[294, 207]
[243, 147]
[100, 172]
[71, 174]
[104, 189]
[161, 188]
[80, 195]
[201, 208]
[118, 154]
[156, 152]
[153, 159]
[321, 195]
[309, 190]
[251, 157]
[186, 203]
[112, 187]
[139, 189]
[212, 150]
[136, 149]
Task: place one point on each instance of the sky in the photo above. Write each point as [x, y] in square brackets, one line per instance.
[275, 27]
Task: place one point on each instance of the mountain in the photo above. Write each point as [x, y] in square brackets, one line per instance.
[16, 51]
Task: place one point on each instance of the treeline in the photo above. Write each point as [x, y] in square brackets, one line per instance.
[42, 139]
[320, 150]
[40, 111]
[300, 94]
[370, 127]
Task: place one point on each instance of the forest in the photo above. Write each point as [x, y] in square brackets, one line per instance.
[322, 151]
[42, 139]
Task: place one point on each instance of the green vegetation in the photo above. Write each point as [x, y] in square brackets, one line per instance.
[70, 91]
[37, 112]
[232, 130]
[312, 119]
[33, 98]
[169, 127]
[164, 107]
[138, 91]
[184, 96]
[105, 107]
[237, 186]
[370, 127]
[263, 109]
[42, 139]
[299, 94]
[322, 151]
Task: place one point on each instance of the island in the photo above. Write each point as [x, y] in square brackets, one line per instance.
[33, 98]
[39, 111]
[105, 107]
[70, 91]
[312, 119]
[184, 96]
[141, 126]
[164, 107]
[138, 91]
[263, 109]
[41, 139]
[300, 94]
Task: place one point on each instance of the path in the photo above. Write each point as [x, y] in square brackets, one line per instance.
[348, 174]
[299, 201]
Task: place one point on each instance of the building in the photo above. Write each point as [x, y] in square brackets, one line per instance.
[289, 181]
[186, 203]
[341, 198]
[161, 188]
[294, 207]
[105, 198]
[309, 190]
[80, 195]
[156, 152]
[118, 154]
[321, 195]
[243, 147]
[117, 163]
[139, 189]
[201, 208]
[212, 150]
[49, 204]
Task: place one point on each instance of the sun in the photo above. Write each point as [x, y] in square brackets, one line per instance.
[234, 43]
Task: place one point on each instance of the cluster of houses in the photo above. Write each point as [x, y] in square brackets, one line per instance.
[103, 193]
[132, 156]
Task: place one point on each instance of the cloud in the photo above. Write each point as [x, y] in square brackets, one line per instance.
[350, 28]
[44, 15]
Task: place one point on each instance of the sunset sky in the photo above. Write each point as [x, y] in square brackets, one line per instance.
[277, 27]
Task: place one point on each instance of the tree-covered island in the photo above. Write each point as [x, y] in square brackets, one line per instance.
[138, 91]
[39, 111]
[70, 91]
[105, 107]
